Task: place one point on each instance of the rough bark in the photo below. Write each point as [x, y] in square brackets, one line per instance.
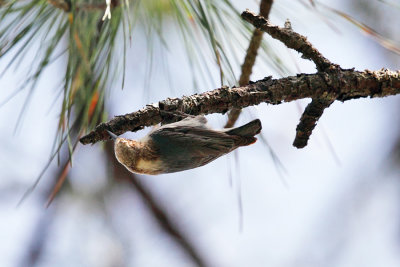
[340, 85]
[291, 39]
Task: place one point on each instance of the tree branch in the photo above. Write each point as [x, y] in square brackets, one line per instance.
[308, 120]
[330, 83]
[250, 59]
[340, 85]
[291, 39]
[157, 210]
[299, 43]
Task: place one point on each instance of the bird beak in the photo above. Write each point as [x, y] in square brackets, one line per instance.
[112, 135]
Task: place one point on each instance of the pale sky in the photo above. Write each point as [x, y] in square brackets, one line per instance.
[330, 213]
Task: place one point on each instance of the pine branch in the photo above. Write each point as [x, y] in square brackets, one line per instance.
[341, 85]
[291, 39]
[250, 59]
[298, 42]
[168, 223]
[309, 119]
[330, 83]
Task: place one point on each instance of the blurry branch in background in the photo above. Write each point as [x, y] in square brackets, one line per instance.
[394, 155]
[250, 59]
[61, 178]
[330, 83]
[156, 209]
[66, 5]
[42, 227]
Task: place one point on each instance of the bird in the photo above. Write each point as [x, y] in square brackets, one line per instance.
[182, 145]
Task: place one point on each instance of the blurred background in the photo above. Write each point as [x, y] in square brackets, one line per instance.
[334, 203]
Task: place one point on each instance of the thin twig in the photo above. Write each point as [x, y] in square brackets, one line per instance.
[250, 59]
[291, 39]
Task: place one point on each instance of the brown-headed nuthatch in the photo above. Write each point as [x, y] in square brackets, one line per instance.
[182, 145]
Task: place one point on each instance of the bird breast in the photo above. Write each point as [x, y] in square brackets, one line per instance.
[148, 166]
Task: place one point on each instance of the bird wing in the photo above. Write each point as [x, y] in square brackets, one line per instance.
[197, 122]
[190, 143]
[192, 140]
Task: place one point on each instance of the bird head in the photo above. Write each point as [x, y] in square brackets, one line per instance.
[127, 152]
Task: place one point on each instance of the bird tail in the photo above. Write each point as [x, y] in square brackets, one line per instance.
[248, 130]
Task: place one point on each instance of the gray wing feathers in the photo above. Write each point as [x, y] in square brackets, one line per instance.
[186, 147]
[201, 141]
[198, 122]
[248, 130]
